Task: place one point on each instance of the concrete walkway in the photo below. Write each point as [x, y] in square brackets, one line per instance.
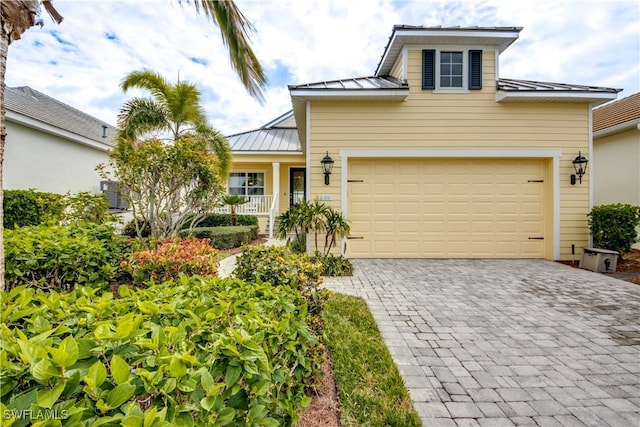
[507, 342]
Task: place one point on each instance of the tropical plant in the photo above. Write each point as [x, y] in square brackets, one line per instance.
[167, 186]
[336, 225]
[313, 217]
[17, 16]
[233, 201]
[173, 109]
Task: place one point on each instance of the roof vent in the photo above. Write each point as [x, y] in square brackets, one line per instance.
[104, 131]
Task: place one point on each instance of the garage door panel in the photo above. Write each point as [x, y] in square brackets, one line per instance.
[446, 207]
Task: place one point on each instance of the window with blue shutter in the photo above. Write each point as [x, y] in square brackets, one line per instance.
[428, 69]
[475, 69]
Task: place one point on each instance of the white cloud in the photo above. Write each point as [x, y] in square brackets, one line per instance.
[583, 42]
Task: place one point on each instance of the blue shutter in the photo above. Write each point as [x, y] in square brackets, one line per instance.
[475, 69]
[428, 69]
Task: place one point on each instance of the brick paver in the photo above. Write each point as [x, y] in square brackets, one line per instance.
[507, 342]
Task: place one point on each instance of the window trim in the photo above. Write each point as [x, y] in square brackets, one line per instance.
[248, 171]
[466, 72]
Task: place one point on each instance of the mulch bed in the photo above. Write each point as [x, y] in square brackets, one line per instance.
[628, 267]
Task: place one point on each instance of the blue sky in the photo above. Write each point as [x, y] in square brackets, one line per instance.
[82, 61]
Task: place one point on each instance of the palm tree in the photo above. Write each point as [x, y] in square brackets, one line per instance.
[336, 225]
[174, 109]
[233, 201]
[17, 16]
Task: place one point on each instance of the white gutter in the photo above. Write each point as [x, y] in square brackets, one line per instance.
[617, 128]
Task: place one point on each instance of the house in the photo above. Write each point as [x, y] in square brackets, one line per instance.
[435, 155]
[616, 152]
[52, 146]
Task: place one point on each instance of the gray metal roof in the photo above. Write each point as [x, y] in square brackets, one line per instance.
[511, 85]
[36, 105]
[272, 139]
[356, 83]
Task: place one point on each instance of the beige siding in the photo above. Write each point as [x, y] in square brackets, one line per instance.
[458, 120]
[616, 175]
[289, 123]
[397, 71]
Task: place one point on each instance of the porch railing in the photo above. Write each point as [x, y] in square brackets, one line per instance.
[256, 205]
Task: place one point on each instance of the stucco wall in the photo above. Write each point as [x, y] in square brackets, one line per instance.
[616, 171]
[45, 162]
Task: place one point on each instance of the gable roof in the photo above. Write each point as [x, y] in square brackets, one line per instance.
[270, 138]
[500, 37]
[617, 116]
[33, 108]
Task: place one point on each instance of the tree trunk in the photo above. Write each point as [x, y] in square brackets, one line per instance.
[4, 47]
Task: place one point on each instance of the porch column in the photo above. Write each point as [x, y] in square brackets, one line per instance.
[276, 183]
[276, 195]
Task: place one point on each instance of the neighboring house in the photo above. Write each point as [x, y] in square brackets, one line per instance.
[616, 152]
[435, 154]
[52, 146]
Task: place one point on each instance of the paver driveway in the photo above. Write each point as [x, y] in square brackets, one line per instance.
[507, 342]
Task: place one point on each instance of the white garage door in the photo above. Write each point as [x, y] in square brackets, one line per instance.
[446, 208]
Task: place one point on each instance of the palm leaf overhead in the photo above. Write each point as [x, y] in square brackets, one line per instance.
[235, 30]
[172, 108]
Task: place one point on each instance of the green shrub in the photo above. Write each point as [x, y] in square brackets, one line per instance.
[170, 259]
[29, 207]
[224, 237]
[131, 228]
[298, 244]
[62, 257]
[197, 352]
[223, 220]
[614, 227]
[278, 266]
[334, 265]
[86, 207]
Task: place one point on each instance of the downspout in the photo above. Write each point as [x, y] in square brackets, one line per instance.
[593, 164]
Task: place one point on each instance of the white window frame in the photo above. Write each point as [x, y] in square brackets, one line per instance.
[465, 70]
[245, 171]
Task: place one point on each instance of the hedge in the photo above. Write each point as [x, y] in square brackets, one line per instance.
[196, 352]
[222, 220]
[29, 207]
[224, 237]
[614, 226]
[62, 257]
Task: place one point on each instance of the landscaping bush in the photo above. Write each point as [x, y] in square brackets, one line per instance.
[86, 207]
[170, 259]
[196, 352]
[614, 226]
[223, 220]
[278, 266]
[29, 207]
[224, 237]
[63, 257]
[333, 265]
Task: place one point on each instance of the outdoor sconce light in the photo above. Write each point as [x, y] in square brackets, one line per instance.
[327, 165]
[580, 165]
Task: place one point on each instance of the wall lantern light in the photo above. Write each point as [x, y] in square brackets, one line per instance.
[580, 166]
[327, 165]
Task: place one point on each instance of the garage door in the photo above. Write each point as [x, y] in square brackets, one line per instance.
[446, 208]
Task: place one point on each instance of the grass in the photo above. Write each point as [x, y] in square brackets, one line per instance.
[370, 388]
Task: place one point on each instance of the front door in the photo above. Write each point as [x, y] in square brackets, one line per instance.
[297, 185]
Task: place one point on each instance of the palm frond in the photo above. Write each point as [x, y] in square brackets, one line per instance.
[185, 104]
[139, 116]
[235, 30]
[149, 80]
[218, 144]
